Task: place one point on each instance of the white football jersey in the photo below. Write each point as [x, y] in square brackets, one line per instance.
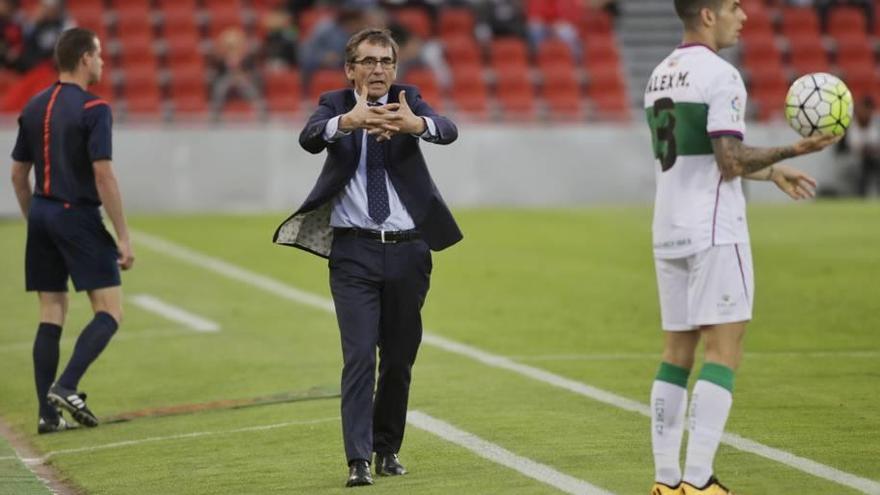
[693, 96]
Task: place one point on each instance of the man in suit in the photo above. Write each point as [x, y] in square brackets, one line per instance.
[376, 213]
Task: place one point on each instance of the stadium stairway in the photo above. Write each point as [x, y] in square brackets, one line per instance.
[648, 31]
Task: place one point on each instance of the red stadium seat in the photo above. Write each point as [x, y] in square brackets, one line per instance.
[89, 17]
[601, 53]
[861, 80]
[76, 5]
[607, 90]
[461, 50]
[283, 90]
[800, 22]
[173, 5]
[225, 18]
[470, 93]
[134, 22]
[189, 91]
[138, 52]
[561, 91]
[326, 80]
[761, 51]
[843, 20]
[853, 51]
[425, 80]
[553, 52]
[181, 27]
[416, 20]
[264, 5]
[104, 89]
[509, 50]
[807, 54]
[239, 110]
[767, 89]
[758, 21]
[515, 93]
[215, 5]
[185, 59]
[456, 21]
[596, 23]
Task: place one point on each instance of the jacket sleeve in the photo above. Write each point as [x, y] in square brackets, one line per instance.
[447, 132]
[312, 136]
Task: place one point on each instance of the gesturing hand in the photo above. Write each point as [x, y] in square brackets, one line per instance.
[407, 123]
[793, 182]
[815, 143]
[374, 119]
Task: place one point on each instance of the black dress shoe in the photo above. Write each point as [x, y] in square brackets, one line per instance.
[359, 474]
[388, 465]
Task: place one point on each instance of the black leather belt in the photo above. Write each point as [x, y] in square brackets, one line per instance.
[383, 236]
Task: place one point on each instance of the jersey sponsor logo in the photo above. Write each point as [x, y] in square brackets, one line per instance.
[736, 105]
[671, 244]
[726, 305]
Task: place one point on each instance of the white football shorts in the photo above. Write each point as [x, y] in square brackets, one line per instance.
[707, 288]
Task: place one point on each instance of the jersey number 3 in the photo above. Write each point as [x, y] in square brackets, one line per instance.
[665, 148]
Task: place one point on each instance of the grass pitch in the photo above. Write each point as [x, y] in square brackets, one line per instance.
[569, 291]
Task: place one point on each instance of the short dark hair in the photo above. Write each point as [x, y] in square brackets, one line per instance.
[689, 10]
[71, 46]
[374, 36]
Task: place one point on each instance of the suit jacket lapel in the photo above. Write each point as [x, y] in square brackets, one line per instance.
[358, 134]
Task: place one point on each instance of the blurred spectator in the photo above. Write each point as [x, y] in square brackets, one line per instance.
[861, 147]
[295, 7]
[500, 18]
[417, 52]
[236, 72]
[279, 46]
[826, 6]
[557, 18]
[11, 35]
[325, 47]
[49, 21]
[610, 6]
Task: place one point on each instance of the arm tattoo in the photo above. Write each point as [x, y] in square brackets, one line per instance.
[736, 159]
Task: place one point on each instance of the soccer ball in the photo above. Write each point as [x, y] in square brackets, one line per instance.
[819, 103]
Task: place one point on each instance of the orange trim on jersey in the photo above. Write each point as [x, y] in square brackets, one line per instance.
[95, 103]
[46, 127]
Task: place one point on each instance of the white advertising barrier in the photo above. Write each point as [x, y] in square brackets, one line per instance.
[262, 167]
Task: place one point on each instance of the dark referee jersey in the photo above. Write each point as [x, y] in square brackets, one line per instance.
[63, 130]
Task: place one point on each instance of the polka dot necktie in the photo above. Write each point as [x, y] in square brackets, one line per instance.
[377, 192]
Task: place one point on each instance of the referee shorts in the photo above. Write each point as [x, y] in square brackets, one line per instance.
[66, 240]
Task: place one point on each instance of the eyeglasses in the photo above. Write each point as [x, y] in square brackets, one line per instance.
[370, 63]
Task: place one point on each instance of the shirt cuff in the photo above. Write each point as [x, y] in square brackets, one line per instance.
[430, 129]
[331, 130]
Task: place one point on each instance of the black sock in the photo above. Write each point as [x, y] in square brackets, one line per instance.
[46, 365]
[91, 342]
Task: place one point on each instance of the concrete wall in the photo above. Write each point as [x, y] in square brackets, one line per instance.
[263, 167]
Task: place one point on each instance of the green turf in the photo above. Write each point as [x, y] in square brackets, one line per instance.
[15, 478]
[568, 291]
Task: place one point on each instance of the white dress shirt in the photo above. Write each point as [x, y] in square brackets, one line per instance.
[350, 205]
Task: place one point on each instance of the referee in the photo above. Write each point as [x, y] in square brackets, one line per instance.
[64, 134]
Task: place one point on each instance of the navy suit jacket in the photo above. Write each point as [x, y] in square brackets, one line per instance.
[309, 227]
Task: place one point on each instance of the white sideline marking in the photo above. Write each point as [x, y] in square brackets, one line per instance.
[139, 335]
[173, 313]
[632, 356]
[127, 443]
[283, 290]
[500, 455]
